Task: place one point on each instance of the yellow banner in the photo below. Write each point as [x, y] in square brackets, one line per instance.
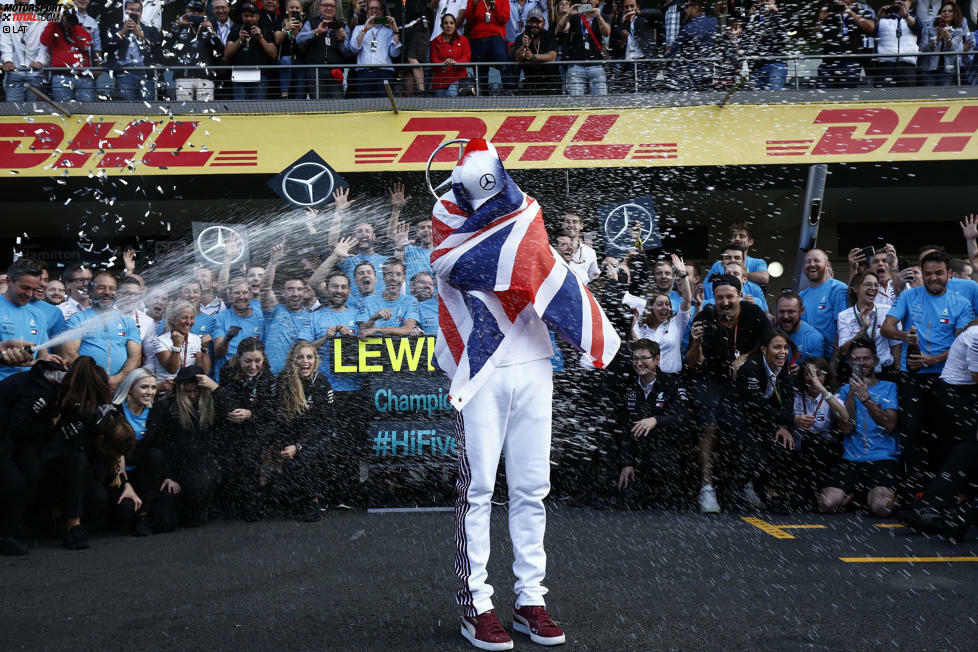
[527, 139]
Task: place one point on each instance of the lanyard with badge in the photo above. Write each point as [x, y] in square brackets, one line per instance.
[519, 18]
[488, 12]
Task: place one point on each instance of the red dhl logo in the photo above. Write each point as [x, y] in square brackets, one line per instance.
[883, 132]
[586, 134]
[102, 145]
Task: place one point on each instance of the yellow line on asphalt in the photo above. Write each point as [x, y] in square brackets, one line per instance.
[767, 528]
[889, 525]
[801, 527]
[912, 560]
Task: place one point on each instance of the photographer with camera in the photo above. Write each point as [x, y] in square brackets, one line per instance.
[721, 337]
[70, 46]
[693, 44]
[768, 30]
[193, 41]
[376, 43]
[844, 27]
[133, 44]
[533, 50]
[897, 31]
[323, 40]
[251, 45]
[584, 29]
[946, 33]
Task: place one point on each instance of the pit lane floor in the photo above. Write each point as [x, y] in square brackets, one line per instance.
[384, 581]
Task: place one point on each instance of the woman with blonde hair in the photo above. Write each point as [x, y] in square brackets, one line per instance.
[304, 408]
[183, 424]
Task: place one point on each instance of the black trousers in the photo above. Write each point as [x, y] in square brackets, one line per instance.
[72, 482]
[661, 462]
[960, 468]
[199, 480]
[920, 410]
[147, 476]
[20, 475]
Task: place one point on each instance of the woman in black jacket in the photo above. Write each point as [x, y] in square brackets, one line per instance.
[244, 407]
[182, 425]
[29, 405]
[761, 413]
[83, 457]
[306, 450]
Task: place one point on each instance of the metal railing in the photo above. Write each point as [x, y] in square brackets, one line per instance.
[625, 76]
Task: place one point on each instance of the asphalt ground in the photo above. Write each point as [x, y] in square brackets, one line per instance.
[384, 581]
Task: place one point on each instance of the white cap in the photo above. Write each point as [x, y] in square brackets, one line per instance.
[480, 174]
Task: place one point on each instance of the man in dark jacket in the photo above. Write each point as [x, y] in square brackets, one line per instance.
[134, 45]
[533, 50]
[193, 41]
[323, 40]
[651, 412]
[633, 37]
[691, 49]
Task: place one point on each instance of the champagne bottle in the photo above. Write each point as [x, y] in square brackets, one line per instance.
[912, 349]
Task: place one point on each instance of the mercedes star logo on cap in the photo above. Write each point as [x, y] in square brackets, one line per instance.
[487, 181]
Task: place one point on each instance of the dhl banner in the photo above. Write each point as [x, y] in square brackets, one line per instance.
[39, 146]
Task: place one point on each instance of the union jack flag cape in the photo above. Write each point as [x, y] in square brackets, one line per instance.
[494, 266]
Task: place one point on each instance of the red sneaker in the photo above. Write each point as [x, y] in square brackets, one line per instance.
[486, 632]
[535, 621]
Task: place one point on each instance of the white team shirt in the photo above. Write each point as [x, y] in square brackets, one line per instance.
[584, 262]
[848, 325]
[188, 354]
[962, 358]
[669, 335]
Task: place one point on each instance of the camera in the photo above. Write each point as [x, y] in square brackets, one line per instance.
[868, 253]
[380, 20]
[891, 10]
[582, 9]
[296, 15]
[134, 18]
[838, 7]
[193, 19]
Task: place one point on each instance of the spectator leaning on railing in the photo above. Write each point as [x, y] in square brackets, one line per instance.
[897, 31]
[22, 56]
[134, 44]
[770, 27]
[633, 38]
[449, 48]
[292, 81]
[486, 25]
[693, 43]
[842, 28]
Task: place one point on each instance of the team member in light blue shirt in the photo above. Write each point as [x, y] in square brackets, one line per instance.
[55, 318]
[335, 319]
[825, 297]
[416, 258]
[807, 340]
[871, 446]
[935, 316]
[748, 288]
[742, 237]
[423, 289]
[363, 249]
[231, 326]
[283, 321]
[390, 313]
[19, 318]
[113, 341]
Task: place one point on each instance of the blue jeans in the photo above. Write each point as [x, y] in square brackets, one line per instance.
[293, 81]
[136, 87]
[14, 85]
[369, 82]
[449, 91]
[587, 80]
[772, 77]
[492, 49]
[66, 88]
[250, 90]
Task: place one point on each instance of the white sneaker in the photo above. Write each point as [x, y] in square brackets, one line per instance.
[708, 500]
[750, 496]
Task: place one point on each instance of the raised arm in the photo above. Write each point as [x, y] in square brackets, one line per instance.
[341, 201]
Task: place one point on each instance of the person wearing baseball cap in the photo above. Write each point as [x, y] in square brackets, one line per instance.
[251, 46]
[533, 49]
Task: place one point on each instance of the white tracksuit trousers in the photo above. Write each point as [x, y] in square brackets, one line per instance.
[511, 414]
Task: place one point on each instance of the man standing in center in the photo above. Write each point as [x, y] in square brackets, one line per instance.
[500, 288]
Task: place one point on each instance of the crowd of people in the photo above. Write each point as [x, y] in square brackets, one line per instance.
[169, 51]
[214, 391]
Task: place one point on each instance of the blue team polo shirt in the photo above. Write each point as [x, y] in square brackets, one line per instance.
[809, 342]
[402, 308]
[750, 289]
[138, 423]
[56, 318]
[319, 323]
[203, 324]
[752, 264]
[251, 326]
[823, 304]
[350, 264]
[868, 441]
[428, 311]
[20, 323]
[967, 289]
[106, 343]
[416, 260]
[282, 329]
[937, 318]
